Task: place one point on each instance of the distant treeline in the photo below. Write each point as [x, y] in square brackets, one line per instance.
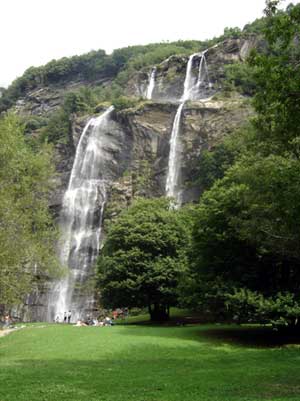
[97, 65]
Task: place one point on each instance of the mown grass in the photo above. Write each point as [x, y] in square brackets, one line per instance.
[146, 363]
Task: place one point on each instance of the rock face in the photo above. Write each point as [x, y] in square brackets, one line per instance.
[137, 141]
[148, 130]
[170, 74]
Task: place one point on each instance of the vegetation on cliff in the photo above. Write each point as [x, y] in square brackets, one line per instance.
[94, 66]
[27, 234]
[113, 69]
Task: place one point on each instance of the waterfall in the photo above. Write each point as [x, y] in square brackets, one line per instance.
[173, 167]
[189, 82]
[191, 91]
[151, 84]
[203, 71]
[81, 221]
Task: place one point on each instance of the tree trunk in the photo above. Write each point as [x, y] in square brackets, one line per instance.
[159, 312]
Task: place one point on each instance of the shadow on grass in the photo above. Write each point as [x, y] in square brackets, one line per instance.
[251, 336]
[248, 336]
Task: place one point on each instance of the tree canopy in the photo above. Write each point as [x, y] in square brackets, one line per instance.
[245, 259]
[27, 233]
[143, 258]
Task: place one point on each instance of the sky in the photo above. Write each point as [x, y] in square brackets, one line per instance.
[34, 32]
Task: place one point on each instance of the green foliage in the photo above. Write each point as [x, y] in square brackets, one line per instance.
[143, 178]
[241, 77]
[119, 66]
[232, 32]
[27, 234]
[124, 102]
[58, 126]
[282, 310]
[255, 28]
[57, 129]
[143, 258]
[246, 234]
[213, 164]
[33, 123]
[95, 65]
[278, 80]
[89, 66]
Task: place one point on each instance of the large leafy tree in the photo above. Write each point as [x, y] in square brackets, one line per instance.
[143, 258]
[277, 76]
[246, 236]
[245, 256]
[27, 234]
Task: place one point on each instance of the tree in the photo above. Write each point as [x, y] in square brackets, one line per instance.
[246, 236]
[143, 258]
[245, 259]
[27, 234]
[277, 76]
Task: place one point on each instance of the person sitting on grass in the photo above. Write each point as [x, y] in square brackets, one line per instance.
[80, 323]
[107, 321]
[7, 321]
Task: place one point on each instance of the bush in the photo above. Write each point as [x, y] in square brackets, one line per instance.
[124, 102]
[281, 310]
[241, 77]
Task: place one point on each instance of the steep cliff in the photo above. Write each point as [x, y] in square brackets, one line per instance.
[148, 126]
[137, 139]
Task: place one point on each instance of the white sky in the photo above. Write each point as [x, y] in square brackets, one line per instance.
[34, 32]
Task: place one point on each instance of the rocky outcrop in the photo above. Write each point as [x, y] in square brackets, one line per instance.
[204, 125]
[148, 130]
[137, 148]
[44, 100]
[170, 74]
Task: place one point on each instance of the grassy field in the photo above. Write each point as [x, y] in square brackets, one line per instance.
[147, 363]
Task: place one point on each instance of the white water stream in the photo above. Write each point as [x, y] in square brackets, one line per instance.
[191, 91]
[81, 221]
[203, 71]
[151, 84]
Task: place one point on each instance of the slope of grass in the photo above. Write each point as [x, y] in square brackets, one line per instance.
[144, 363]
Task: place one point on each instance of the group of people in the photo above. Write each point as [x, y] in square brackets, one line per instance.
[107, 321]
[89, 321]
[120, 313]
[65, 319]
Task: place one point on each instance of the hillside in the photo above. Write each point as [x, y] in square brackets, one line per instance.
[57, 101]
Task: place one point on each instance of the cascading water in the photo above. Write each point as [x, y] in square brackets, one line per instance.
[173, 166]
[191, 91]
[81, 219]
[151, 84]
[203, 71]
[189, 82]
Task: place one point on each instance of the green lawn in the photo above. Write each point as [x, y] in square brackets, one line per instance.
[146, 363]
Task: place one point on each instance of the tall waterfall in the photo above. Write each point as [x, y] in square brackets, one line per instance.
[151, 84]
[203, 71]
[81, 221]
[173, 166]
[189, 82]
[191, 91]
